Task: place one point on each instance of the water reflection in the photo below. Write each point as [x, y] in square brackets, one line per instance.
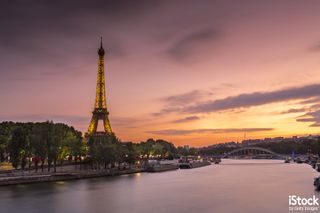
[233, 186]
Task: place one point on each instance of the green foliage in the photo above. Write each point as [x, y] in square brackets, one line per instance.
[131, 152]
[18, 146]
[43, 141]
[104, 149]
[283, 147]
[5, 137]
[107, 150]
[215, 150]
[287, 147]
[48, 143]
[186, 151]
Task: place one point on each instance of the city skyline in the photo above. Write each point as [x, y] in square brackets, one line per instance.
[189, 73]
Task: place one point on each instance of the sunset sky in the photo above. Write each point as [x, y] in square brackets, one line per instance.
[191, 72]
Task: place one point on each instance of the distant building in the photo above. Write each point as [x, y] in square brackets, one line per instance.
[250, 142]
[186, 147]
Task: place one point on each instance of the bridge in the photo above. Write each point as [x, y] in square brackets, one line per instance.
[254, 152]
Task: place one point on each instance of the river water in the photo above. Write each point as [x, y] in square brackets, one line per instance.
[248, 186]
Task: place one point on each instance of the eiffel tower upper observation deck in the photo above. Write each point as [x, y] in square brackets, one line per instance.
[100, 111]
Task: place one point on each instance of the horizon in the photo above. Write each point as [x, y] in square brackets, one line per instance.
[192, 74]
[182, 145]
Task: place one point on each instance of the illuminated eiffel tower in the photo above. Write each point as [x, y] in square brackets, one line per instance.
[100, 111]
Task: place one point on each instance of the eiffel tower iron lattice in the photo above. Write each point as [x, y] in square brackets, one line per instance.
[100, 111]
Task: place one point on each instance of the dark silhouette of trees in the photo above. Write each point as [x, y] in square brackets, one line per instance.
[5, 137]
[287, 147]
[103, 150]
[28, 143]
[17, 148]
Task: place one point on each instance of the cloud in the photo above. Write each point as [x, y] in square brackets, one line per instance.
[126, 122]
[175, 103]
[313, 117]
[46, 36]
[166, 111]
[213, 131]
[191, 44]
[186, 119]
[305, 119]
[186, 98]
[315, 48]
[256, 99]
[34, 17]
[311, 100]
[190, 102]
[294, 110]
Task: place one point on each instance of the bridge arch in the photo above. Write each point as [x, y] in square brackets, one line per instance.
[253, 148]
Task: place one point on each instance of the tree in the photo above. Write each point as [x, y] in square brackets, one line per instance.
[39, 142]
[57, 133]
[5, 137]
[158, 149]
[18, 144]
[74, 143]
[104, 149]
[131, 153]
[38, 138]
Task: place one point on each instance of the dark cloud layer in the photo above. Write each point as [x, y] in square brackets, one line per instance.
[175, 103]
[213, 131]
[185, 98]
[189, 102]
[186, 119]
[256, 99]
[294, 110]
[312, 117]
[167, 110]
[25, 18]
[54, 35]
[191, 44]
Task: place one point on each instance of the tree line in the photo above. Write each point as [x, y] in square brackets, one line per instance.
[46, 145]
[306, 146]
[36, 144]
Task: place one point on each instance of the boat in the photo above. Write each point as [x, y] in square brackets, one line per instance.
[316, 183]
[190, 162]
[193, 165]
[298, 160]
[287, 160]
[216, 160]
[162, 167]
[317, 167]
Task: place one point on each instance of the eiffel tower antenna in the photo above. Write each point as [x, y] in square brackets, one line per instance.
[100, 111]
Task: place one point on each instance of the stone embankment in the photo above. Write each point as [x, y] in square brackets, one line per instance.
[39, 178]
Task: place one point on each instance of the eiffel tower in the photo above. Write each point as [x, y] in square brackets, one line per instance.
[100, 111]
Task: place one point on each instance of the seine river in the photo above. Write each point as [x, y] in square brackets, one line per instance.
[232, 186]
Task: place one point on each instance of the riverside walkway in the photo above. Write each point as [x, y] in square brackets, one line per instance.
[22, 177]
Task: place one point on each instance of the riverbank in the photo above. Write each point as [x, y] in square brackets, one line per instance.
[26, 178]
[194, 165]
[19, 177]
[162, 167]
